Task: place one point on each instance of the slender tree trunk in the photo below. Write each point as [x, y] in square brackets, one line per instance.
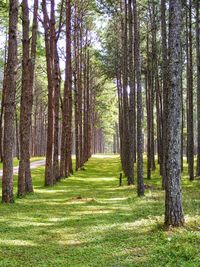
[80, 88]
[148, 108]
[148, 128]
[140, 183]
[127, 141]
[88, 107]
[164, 86]
[132, 89]
[49, 44]
[76, 123]
[190, 101]
[182, 111]
[173, 198]
[2, 98]
[9, 104]
[76, 91]
[28, 66]
[68, 84]
[198, 87]
[56, 167]
[17, 135]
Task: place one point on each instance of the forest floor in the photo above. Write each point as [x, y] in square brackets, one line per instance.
[88, 220]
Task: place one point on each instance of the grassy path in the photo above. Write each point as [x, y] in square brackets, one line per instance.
[16, 161]
[34, 163]
[87, 220]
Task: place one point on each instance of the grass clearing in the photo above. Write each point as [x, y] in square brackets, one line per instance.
[87, 220]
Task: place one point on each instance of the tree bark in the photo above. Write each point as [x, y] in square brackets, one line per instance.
[28, 67]
[2, 98]
[68, 85]
[131, 74]
[128, 165]
[56, 166]
[49, 44]
[190, 101]
[140, 182]
[173, 199]
[164, 85]
[9, 104]
[198, 88]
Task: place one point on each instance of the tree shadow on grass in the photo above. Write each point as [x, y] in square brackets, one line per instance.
[87, 220]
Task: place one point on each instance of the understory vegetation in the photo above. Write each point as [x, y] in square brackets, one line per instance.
[88, 220]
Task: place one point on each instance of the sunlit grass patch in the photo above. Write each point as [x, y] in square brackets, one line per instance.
[88, 220]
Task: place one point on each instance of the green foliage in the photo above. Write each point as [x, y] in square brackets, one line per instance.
[106, 6]
[106, 98]
[107, 109]
[111, 47]
[3, 12]
[3, 32]
[87, 220]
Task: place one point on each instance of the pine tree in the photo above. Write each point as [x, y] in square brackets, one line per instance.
[173, 198]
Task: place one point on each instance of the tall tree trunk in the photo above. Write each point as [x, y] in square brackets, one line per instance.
[66, 148]
[56, 167]
[131, 75]
[173, 198]
[140, 182]
[148, 108]
[28, 178]
[49, 44]
[127, 141]
[190, 101]
[68, 85]
[28, 66]
[2, 98]
[9, 104]
[80, 88]
[182, 111]
[164, 86]
[198, 87]
[17, 135]
[76, 91]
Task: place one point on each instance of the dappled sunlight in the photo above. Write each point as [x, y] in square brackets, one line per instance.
[100, 180]
[57, 219]
[19, 224]
[105, 156]
[16, 242]
[135, 254]
[142, 225]
[46, 201]
[71, 242]
[116, 199]
[51, 191]
[193, 220]
[89, 213]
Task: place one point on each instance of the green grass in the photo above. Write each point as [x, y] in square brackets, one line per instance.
[87, 220]
[16, 161]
